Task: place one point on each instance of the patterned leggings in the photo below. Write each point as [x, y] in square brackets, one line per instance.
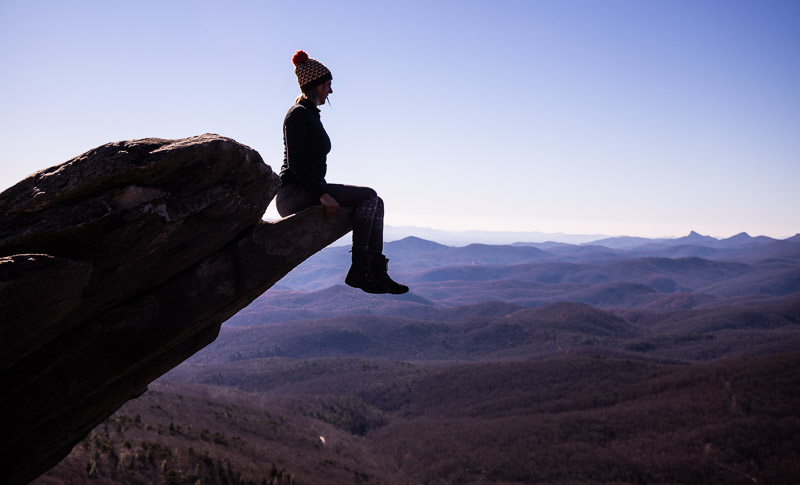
[367, 219]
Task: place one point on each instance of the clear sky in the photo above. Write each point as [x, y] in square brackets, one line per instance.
[618, 117]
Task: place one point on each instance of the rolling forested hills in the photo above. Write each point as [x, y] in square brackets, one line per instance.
[624, 361]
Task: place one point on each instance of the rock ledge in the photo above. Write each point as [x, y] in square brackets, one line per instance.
[118, 265]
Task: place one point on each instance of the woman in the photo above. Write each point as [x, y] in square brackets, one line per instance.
[306, 146]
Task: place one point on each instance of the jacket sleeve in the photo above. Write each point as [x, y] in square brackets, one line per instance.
[296, 130]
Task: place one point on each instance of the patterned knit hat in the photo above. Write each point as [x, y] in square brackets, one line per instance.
[310, 72]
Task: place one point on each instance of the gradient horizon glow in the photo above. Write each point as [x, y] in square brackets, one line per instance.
[617, 117]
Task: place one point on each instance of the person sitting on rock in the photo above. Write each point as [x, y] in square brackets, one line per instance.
[306, 146]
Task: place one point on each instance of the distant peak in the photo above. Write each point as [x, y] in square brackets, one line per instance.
[696, 236]
[415, 242]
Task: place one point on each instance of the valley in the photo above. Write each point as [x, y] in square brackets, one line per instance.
[620, 361]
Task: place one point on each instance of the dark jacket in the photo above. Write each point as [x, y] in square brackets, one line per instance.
[306, 146]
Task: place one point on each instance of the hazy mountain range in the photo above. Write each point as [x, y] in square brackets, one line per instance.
[699, 265]
[624, 360]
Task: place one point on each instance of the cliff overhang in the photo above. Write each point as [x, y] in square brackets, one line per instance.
[118, 265]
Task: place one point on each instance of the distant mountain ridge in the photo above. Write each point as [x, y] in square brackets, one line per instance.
[648, 274]
[532, 238]
[693, 238]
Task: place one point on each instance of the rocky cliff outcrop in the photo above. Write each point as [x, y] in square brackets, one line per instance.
[118, 265]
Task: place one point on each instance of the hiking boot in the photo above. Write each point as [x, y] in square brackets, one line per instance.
[380, 271]
[360, 275]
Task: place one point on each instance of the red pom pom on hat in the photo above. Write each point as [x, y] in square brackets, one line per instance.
[299, 57]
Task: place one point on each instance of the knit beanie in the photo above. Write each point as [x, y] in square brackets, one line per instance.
[310, 72]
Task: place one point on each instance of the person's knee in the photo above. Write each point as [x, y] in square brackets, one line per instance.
[280, 205]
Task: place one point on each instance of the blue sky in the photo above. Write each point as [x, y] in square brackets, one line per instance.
[643, 118]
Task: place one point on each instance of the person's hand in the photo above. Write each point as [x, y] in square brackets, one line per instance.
[330, 204]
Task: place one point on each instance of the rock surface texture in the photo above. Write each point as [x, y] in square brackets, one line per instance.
[118, 265]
